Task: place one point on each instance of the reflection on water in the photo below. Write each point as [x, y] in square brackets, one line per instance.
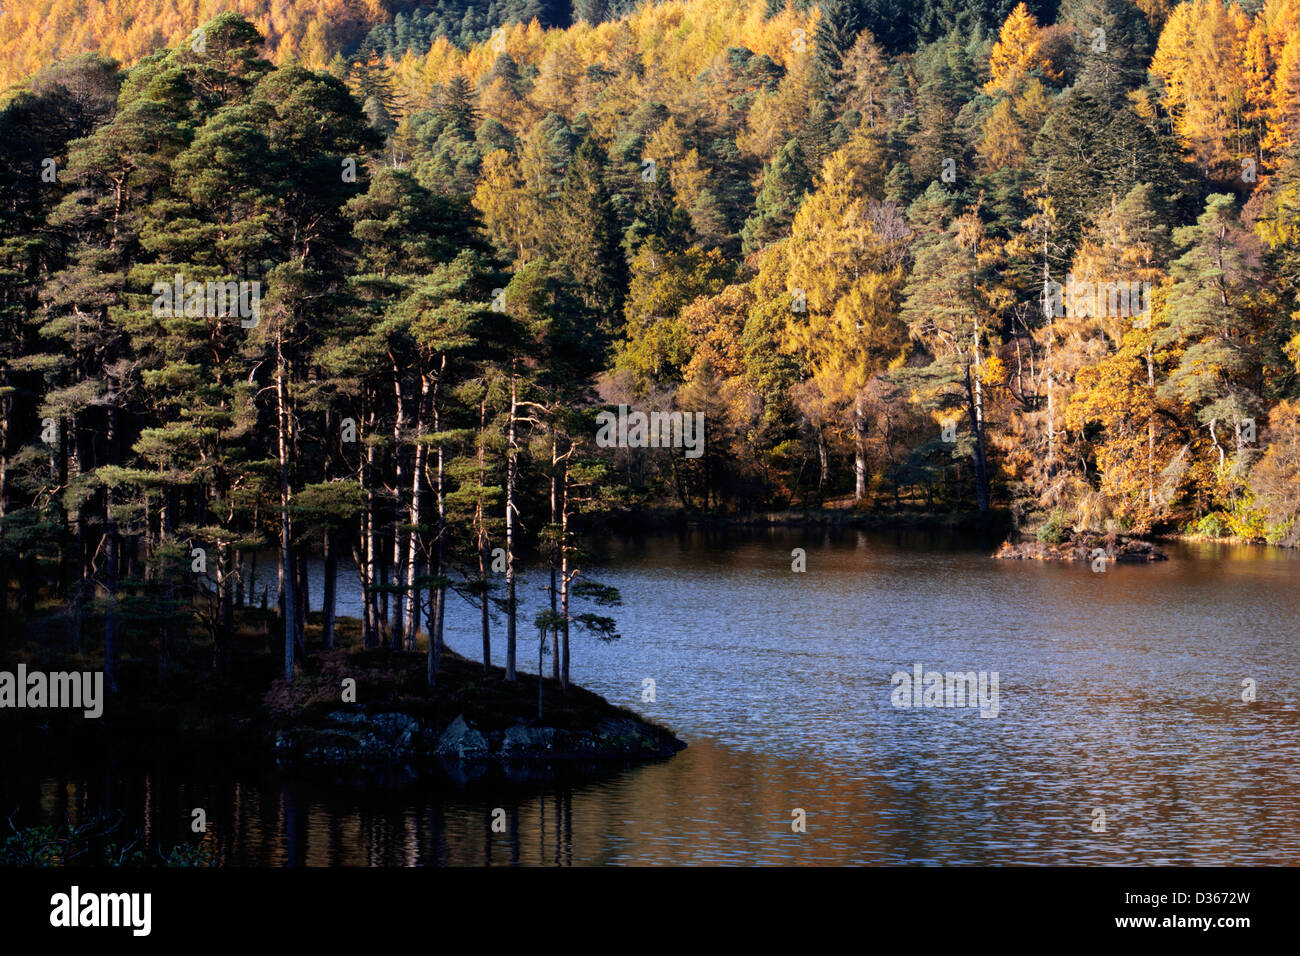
[1119, 691]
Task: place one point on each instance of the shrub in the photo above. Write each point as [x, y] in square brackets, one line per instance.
[1211, 525]
[1054, 530]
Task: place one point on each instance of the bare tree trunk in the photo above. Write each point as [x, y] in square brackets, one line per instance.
[554, 561]
[859, 450]
[286, 531]
[977, 430]
[564, 574]
[441, 552]
[438, 603]
[412, 623]
[398, 458]
[1049, 313]
[510, 531]
[1151, 434]
[823, 462]
[371, 599]
[480, 526]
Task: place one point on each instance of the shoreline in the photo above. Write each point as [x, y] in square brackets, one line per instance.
[994, 520]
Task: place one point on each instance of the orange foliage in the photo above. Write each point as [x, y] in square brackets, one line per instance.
[35, 33]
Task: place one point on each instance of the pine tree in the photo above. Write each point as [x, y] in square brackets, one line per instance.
[1211, 321]
[785, 183]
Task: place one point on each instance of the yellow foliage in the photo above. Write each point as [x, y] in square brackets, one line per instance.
[35, 33]
[1017, 51]
[1220, 78]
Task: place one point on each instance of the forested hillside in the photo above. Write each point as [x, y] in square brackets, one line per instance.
[1049, 266]
[35, 33]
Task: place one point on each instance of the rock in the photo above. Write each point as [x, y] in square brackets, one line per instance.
[460, 741]
[390, 738]
[521, 742]
[343, 718]
[395, 728]
[395, 745]
[331, 748]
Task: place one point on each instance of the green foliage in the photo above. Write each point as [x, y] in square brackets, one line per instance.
[1212, 525]
[1055, 530]
[95, 842]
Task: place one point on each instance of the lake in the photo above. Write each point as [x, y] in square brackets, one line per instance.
[1121, 734]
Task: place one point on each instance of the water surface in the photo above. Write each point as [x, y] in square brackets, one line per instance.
[1119, 692]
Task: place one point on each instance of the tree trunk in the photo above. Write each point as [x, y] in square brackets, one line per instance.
[439, 594]
[480, 526]
[510, 531]
[399, 457]
[554, 562]
[252, 574]
[859, 450]
[1049, 313]
[112, 616]
[412, 623]
[112, 621]
[823, 463]
[330, 595]
[225, 611]
[977, 453]
[289, 598]
[83, 585]
[1151, 435]
[62, 470]
[304, 600]
[167, 634]
[564, 575]
[370, 598]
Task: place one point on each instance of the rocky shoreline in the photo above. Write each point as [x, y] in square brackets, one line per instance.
[399, 745]
[469, 725]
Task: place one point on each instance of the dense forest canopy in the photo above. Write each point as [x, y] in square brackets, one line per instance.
[35, 33]
[367, 304]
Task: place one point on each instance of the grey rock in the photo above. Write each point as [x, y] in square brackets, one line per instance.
[393, 728]
[460, 741]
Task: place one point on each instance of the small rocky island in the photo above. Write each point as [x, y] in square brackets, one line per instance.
[472, 724]
[1082, 547]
